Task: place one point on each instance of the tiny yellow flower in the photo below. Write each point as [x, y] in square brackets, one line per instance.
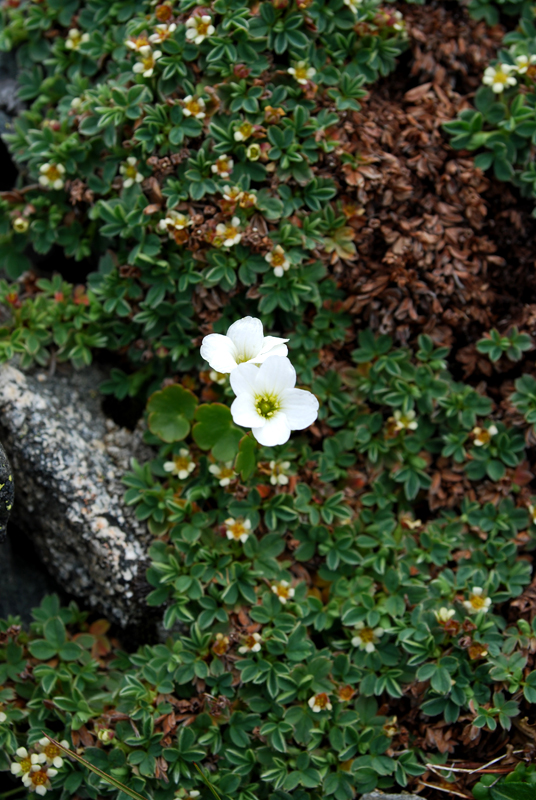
[75, 38]
[198, 28]
[278, 476]
[232, 194]
[499, 77]
[162, 32]
[366, 638]
[253, 152]
[248, 200]
[147, 62]
[482, 436]
[174, 221]
[403, 421]
[524, 62]
[223, 166]
[477, 601]
[319, 702]
[252, 644]
[224, 472]
[237, 530]
[51, 752]
[301, 72]
[137, 42]
[243, 132]
[283, 590]
[278, 260]
[52, 175]
[194, 107]
[20, 225]
[130, 173]
[181, 465]
[229, 232]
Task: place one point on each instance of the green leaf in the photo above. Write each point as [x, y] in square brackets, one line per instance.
[42, 650]
[54, 631]
[215, 431]
[245, 460]
[513, 791]
[170, 411]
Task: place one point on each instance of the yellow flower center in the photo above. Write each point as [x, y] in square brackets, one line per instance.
[283, 591]
[321, 700]
[278, 258]
[226, 472]
[230, 232]
[477, 601]
[246, 129]
[193, 106]
[25, 765]
[181, 463]
[53, 173]
[501, 77]
[237, 529]
[267, 406]
[131, 171]
[202, 27]
[39, 778]
[223, 165]
[301, 74]
[51, 751]
[250, 642]
[366, 635]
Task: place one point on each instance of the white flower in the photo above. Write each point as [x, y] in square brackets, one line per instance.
[194, 107]
[223, 166]
[51, 752]
[253, 152]
[405, 421]
[38, 780]
[278, 472]
[477, 602]
[137, 42]
[3, 717]
[523, 63]
[283, 590]
[252, 644]
[130, 172]
[302, 72]
[366, 638]
[52, 175]
[229, 232]
[267, 402]
[175, 221]
[232, 194]
[24, 763]
[532, 512]
[237, 529]
[199, 27]
[75, 38]
[243, 132]
[182, 465]
[244, 342]
[147, 62]
[482, 436]
[499, 77]
[353, 5]
[76, 102]
[319, 702]
[162, 32]
[20, 225]
[444, 614]
[218, 377]
[225, 473]
[278, 260]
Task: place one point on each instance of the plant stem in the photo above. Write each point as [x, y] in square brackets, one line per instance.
[11, 791]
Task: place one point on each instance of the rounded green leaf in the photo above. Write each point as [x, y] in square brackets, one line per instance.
[169, 412]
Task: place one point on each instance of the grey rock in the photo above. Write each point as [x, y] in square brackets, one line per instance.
[7, 491]
[381, 796]
[68, 461]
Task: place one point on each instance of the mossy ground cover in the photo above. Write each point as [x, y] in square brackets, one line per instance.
[353, 608]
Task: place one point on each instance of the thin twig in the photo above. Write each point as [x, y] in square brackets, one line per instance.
[433, 767]
[448, 791]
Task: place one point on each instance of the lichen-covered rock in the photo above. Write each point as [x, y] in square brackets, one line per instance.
[7, 492]
[68, 460]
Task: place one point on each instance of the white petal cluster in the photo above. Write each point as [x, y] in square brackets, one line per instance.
[244, 342]
[223, 472]
[319, 702]
[237, 530]
[147, 62]
[181, 466]
[75, 38]
[302, 72]
[477, 601]
[129, 171]
[366, 638]
[252, 644]
[267, 400]
[198, 28]
[523, 63]
[162, 32]
[52, 175]
[499, 77]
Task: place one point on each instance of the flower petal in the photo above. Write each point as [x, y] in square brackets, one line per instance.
[275, 431]
[246, 334]
[272, 346]
[300, 408]
[275, 375]
[244, 412]
[219, 351]
[244, 379]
